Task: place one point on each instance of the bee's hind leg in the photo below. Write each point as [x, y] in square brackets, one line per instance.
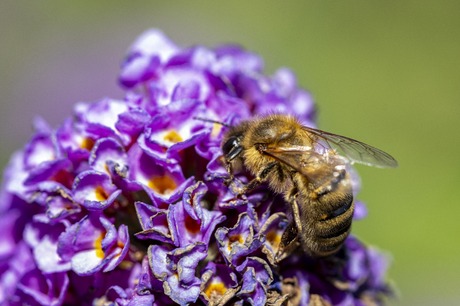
[289, 242]
[290, 239]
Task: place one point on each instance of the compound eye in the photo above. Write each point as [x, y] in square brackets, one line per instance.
[232, 148]
[230, 144]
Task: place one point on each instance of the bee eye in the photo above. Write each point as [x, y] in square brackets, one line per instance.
[232, 148]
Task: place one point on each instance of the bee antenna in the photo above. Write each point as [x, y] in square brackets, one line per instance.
[212, 121]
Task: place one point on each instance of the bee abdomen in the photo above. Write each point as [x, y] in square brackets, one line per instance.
[335, 222]
[329, 233]
[322, 247]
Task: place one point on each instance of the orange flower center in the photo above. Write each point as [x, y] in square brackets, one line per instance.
[98, 246]
[87, 143]
[173, 136]
[192, 225]
[273, 238]
[101, 194]
[162, 184]
[215, 289]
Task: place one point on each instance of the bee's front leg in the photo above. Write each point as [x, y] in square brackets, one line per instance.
[231, 181]
[231, 177]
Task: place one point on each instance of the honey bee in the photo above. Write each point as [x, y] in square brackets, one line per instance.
[305, 166]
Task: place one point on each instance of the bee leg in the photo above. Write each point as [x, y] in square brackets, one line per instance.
[289, 242]
[232, 182]
[231, 177]
[292, 199]
[258, 179]
[290, 239]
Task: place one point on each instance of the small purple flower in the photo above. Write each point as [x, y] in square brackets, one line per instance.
[238, 242]
[257, 275]
[219, 283]
[176, 270]
[94, 190]
[93, 245]
[126, 203]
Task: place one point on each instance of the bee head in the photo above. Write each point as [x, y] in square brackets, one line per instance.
[232, 143]
[232, 147]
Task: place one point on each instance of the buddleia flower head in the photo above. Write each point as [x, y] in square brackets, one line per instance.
[125, 202]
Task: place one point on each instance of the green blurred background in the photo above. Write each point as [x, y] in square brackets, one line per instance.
[385, 72]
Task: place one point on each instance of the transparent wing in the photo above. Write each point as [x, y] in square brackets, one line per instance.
[354, 150]
[307, 161]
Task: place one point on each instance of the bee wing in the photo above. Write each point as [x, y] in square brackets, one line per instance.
[305, 160]
[354, 150]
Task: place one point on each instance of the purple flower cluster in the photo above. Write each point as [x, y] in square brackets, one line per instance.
[125, 202]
